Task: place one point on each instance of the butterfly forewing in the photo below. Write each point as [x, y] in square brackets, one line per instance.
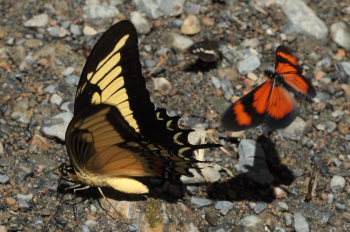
[287, 66]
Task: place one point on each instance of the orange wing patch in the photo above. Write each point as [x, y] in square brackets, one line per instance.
[243, 118]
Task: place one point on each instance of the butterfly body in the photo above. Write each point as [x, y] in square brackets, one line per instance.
[117, 137]
[273, 101]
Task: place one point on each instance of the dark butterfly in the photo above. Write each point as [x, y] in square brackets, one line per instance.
[207, 50]
[116, 135]
[272, 102]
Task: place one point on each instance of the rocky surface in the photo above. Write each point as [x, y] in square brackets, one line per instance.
[296, 179]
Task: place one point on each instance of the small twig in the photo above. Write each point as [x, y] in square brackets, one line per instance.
[162, 60]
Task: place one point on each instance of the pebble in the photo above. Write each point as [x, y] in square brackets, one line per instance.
[89, 31]
[279, 229]
[346, 67]
[2, 149]
[252, 162]
[171, 7]
[288, 219]
[140, 22]
[90, 223]
[68, 71]
[300, 223]
[51, 88]
[191, 25]
[216, 82]
[227, 88]
[4, 179]
[200, 202]
[95, 9]
[283, 206]
[72, 80]
[24, 200]
[250, 221]
[224, 206]
[340, 34]
[191, 8]
[57, 125]
[75, 29]
[40, 20]
[190, 227]
[84, 228]
[149, 7]
[248, 64]
[295, 130]
[211, 174]
[212, 217]
[260, 207]
[55, 99]
[337, 184]
[21, 111]
[162, 85]
[303, 19]
[180, 42]
[57, 31]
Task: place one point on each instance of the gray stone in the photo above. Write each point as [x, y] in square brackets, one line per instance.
[252, 162]
[211, 174]
[303, 19]
[250, 221]
[260, 207]
[57, 125]
[149, 7]
[226, 86]
[40, 20]
[68, 71]
[224, 206]
[72, 80]
[279, 229]
[200, 202]
[216, 82]
[55, 99]
[346, 67]
[75, 29]
[95, 9]
[51, 88]
[24, 200]
[180, 42]
[300, 223]
[67, 106]
[21, 113]
[330, 126]
[340, 34]
[288, 219]
[57, 31]
[2, 149]
[85, 228]
[140, 22]
[4, 179]
[295, 130]
[191, 8]
[337, 183]
[170, 7]
[283, 206]
[248, 64]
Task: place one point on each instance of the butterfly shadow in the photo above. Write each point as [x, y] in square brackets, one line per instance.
[242, 187]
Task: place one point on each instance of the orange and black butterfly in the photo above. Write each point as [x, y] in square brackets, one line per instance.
[273, 101]
[116, 135]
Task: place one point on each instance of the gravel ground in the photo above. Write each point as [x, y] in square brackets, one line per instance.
[296, 179]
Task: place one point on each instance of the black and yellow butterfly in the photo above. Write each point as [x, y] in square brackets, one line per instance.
[116, 135]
